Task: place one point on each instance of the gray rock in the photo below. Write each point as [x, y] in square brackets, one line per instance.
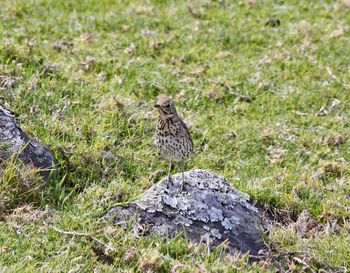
[31, 152]
[208, 209]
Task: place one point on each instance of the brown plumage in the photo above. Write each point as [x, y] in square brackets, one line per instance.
[173, 140]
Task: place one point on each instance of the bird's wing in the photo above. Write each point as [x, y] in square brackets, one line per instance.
[183, 131]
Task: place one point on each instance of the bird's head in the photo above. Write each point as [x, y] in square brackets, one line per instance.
[166, 107]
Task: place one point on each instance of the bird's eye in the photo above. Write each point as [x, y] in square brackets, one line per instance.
[167, 106]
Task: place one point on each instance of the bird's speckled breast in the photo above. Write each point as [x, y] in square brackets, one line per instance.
[170, 145]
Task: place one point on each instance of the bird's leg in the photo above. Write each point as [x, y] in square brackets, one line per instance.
[183, 176]
[169, 176]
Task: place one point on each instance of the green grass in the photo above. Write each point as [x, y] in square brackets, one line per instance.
[106, 61]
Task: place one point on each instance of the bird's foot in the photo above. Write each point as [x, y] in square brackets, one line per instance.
[181, 186]
[170, 182]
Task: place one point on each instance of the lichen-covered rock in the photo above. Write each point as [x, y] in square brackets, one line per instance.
[207, 209]
[31, 152]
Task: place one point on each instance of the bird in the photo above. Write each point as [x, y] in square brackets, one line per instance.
[172, 138]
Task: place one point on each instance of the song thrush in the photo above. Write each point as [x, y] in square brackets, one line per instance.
[173, 139]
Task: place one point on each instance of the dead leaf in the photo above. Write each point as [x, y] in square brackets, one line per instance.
[263, 86]
[144, 9]
[110, 105]
[279, 43]
[332, 169]
[89, 62]
[306, 224]
[126, 27]
[147, 266]
[149, 115]
[179, 97]
[102, 256]
[333, 140]
[223, 54]
[102, 77]
[60, 45]
[230, 133]
[111, 14]
[214, 93]
[130, 49]
[266, 136]
[251, 3]
[154, 45]
[273, 22]
[192, 12]
[339, 32]
[29, 214]
[187, 80]
[130, 256]
[275, 154]
[198, 71]
[118, 66]
[306, 42]
[85, 37]
[4, 249]
[114, 36]
[150, 261]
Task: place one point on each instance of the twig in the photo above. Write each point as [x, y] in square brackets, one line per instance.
[246, 98]
[281, 254]
[324, 110]
[335, 103]
[263, 60]
[276, 256]
[46, 68]
[335, 78]
[334, 268]
[299, 113]
[80, 234]
[331, 74]
[304, 263]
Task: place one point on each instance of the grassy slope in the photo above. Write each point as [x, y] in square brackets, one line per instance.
[123, 54]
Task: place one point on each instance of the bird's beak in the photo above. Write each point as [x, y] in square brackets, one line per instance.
[157, 106]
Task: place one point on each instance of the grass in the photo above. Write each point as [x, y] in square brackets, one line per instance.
[84, 75]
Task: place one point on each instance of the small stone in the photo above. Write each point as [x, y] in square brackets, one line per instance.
[31, 152]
